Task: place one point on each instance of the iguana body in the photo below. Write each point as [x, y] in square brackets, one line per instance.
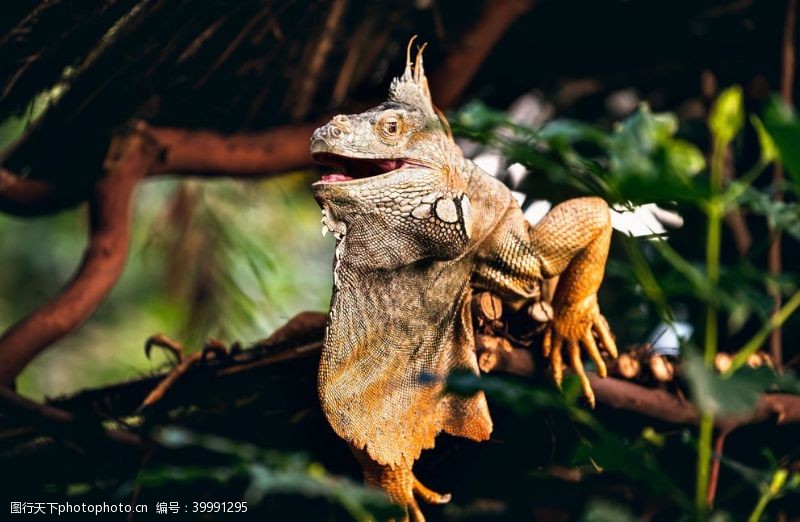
[418, 227]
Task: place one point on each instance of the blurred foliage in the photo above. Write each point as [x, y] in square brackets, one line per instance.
[257, 261]
[266, 472]
[734, 394]
[643, 160]
[639, 161]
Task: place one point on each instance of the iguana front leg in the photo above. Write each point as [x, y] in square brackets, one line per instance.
[399, 484]
[572, 242]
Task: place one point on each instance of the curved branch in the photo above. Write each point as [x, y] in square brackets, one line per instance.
[102, 265]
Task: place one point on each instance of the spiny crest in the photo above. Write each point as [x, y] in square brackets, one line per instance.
[412, 87]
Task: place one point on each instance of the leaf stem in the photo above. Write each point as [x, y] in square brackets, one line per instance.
[775, 485]
[713, 242]
[703, 464]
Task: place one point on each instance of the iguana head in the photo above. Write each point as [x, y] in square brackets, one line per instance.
[397, 159]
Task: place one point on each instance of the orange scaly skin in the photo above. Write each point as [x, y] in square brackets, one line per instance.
[418, 228]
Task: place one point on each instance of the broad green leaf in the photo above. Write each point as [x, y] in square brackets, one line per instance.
[735, 394]
[783, 126]
[648, 164]
[715, 395]
[684, 158]
[727, 115]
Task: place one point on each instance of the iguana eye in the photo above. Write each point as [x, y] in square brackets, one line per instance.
[390, 126]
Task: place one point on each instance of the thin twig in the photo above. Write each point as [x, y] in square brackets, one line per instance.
[716, 459]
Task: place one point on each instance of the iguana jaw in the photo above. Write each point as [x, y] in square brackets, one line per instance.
[355, 169]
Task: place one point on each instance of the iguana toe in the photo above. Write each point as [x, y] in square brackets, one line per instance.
[570, 331]
[428, 495]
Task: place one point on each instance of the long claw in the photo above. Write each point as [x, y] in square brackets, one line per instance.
[430, 496]
[594, 353]
[577, 365]
[556, 364]
[546, 343]
[603, 332]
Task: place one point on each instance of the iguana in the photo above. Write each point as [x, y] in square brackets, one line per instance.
[418, 227]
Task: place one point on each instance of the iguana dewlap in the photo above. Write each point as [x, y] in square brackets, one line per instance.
[418, 227]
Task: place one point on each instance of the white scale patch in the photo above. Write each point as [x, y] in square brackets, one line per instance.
[446, 210]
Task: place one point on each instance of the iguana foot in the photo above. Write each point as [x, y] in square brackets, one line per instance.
[571, 327]
[400, 485]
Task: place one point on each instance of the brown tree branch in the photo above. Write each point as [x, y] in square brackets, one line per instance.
[129, 159]
[665, 406]
[460, 65]
[31, 197]
[209, 154]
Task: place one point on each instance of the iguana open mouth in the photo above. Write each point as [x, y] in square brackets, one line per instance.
[348, 169]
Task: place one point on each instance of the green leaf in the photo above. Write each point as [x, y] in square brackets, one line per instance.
[781, 215]
[769, 152]
[648, 164]
[714, 395]
[736, 394]
[684, 158]
[783, 126]
[566, 131]
[727, 115]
